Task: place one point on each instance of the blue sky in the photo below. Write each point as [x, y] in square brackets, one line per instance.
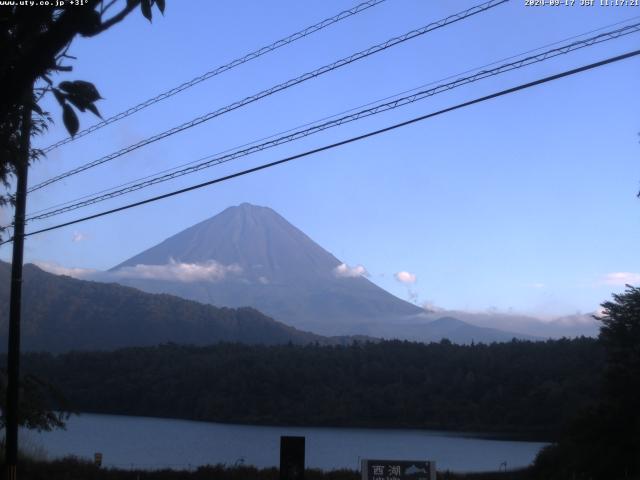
[526, 202]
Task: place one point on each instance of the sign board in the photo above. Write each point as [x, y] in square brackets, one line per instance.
[97, 459]
[398, 470]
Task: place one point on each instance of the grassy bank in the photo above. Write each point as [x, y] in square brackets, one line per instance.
[74, 469]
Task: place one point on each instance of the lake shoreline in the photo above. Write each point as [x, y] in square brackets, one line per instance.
[156, 443]
[485, 433]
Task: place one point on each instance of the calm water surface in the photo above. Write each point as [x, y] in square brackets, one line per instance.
[139, 442]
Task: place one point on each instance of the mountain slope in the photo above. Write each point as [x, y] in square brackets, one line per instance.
[569, 326]
[267, 263]
[251, 256]
[452, 329]
[61, 314]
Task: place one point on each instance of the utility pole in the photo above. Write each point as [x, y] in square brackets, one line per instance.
[13, 356]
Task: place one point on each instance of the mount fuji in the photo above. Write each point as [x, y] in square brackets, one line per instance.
[249, 255]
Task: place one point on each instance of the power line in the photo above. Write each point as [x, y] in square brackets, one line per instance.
[221, 69]
[282, 86]
[353, 109]
[342, 142]
[383, 107]
[307, 76]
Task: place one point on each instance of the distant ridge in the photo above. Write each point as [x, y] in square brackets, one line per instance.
[61, 313]
[282, 272]
[263, 261]
[450, 328]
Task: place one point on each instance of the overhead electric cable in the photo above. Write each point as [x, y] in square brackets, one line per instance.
[382, 107]
[353, 109]
[221, 69]
[282, 86]
[307, 153]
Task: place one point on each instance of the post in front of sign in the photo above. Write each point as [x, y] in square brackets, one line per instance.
[292, 451]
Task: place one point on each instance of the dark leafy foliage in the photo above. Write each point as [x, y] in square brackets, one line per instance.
[37, 397]
[34, 41]
[70, 119]
[81, 95]
[604, 442]
[62, 313]
[530, 387]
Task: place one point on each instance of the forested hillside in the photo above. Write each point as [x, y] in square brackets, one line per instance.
[531, 387]
[62, 313]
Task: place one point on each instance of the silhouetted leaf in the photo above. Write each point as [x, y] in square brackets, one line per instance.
[86, 90]
[36, 108]
[145, 6]
[82, 95]
[60, 97]
[78, 102]
[161, 5]
[70, 119]
[90, 22]
[93, 109]
[66, 86]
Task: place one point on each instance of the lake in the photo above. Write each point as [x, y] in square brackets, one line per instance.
[152, 443]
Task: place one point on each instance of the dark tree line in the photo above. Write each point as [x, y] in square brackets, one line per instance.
[603, 443]
[525, 387]
[583, 392]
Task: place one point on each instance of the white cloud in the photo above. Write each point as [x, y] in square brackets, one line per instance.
[621, 278]
[576, 319]
[56, 269]
[405, 277]
[345, 271]
[537, 285]
[431, 307]
[211, 271]
[79, 237]
[263, 280]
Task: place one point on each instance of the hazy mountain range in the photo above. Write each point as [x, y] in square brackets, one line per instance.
[246, 256]
[564, 326]
[250, 255]
[61, 313]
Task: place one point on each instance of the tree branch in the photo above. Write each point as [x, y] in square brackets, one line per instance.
[104, 7]
[37, 60]
[131, 5]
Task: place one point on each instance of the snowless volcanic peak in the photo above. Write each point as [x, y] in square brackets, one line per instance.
[266, 263]
[251, 256]
[262, 243]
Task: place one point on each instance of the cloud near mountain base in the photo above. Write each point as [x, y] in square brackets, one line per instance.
[210, 271]
[51, 267]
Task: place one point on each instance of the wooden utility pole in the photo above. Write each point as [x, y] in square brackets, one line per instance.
[13, 356]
